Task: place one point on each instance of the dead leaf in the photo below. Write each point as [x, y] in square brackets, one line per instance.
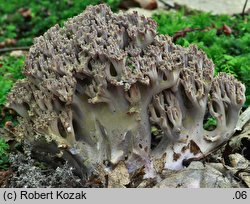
[25, 12]
[241, 142]
[160, 163]
[194, 148]
[147, 183]
[136, 178]
[8, 42]
[238, 161]
[119, 176]
[17, 53]
[147, 4]
[4, 177]
[176, 156]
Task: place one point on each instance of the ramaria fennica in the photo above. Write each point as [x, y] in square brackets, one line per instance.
[95, 87]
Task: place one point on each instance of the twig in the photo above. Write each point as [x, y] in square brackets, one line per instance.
[166, 4]
[186, 162]
[244, 8]
[8, 49]
[183, 33]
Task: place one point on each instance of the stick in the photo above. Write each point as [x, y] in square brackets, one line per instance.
[244, 8]
[186, 162]
[8, 49]
[166, 4]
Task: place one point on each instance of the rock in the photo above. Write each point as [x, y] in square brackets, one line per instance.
[17, 53]
[239, 167]
[215, 6]
[241, 142]
[198, 175]
[245, 176]
[238, 161]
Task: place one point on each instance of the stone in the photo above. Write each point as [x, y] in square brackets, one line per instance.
[198, 175]
[215, 6]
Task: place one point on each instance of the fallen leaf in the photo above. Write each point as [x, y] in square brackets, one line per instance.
[8, 42]
[137, 177]
[25, 12]
[160, 163]
[198, 175]
[238, 161]
[4, 177]
[119, 176]
[147, 4]
[245, 176]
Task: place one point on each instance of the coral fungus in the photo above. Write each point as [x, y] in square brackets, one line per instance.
[94, 88]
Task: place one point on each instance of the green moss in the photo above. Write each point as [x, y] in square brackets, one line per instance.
[4, 158]
[10, 71]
